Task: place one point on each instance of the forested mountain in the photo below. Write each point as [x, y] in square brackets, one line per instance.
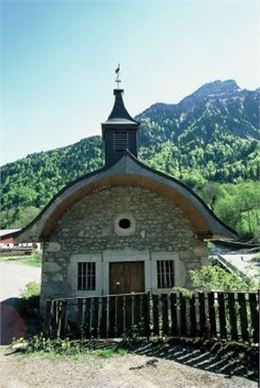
[210, 136]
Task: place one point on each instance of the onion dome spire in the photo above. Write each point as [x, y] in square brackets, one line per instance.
[120, 129]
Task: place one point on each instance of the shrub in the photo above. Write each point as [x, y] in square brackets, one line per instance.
[35, 260]
[214, 278]
[28, 305]
[68, 347]
[31, 289]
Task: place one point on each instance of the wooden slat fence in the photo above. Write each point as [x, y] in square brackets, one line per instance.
[232, 316]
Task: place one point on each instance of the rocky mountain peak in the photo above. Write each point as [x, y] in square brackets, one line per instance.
[216, 89]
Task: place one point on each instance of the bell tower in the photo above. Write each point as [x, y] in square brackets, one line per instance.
[120, 130]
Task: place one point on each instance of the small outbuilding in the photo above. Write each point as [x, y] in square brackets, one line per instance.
[123, 228]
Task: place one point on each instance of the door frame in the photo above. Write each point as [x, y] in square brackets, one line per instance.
[128, 262]
[112, 256]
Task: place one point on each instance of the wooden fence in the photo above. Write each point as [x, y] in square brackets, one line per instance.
[233, 316]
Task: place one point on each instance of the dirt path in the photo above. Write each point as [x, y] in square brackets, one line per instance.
[128, 371]
[13, 278]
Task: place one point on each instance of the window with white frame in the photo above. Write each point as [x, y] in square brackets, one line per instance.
[165, 273]
[86, 276]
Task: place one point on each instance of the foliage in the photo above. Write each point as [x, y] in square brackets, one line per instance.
[214, 278]
[28, 305]
[28, 184]
[30, 290]
[134, 335]
[68, 347]
[35, 260]
[238, 206]
[184, 291]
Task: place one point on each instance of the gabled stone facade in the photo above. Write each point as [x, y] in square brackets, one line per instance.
[124, 227]
[89, 228]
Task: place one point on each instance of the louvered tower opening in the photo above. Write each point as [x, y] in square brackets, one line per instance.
[120, 141]
[119, 131]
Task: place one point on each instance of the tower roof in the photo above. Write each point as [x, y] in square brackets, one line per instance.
[119, 114]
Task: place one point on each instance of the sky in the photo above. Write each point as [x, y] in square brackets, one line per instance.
[59, 57]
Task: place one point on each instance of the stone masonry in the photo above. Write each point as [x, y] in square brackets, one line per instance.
[89, 228]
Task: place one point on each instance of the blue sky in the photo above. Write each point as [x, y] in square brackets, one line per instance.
[59, 58]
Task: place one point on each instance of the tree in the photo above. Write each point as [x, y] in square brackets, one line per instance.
[25, 215]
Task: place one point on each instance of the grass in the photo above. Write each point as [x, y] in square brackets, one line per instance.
[33, 260]
[108, 352]
[66, 349]
[12, 258]
[89, 354]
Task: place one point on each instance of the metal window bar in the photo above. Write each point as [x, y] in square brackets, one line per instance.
[171, 273]
[86, 276]
[165, 273]
[158, 275]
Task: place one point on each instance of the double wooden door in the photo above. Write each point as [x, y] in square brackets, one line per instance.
[126, 277]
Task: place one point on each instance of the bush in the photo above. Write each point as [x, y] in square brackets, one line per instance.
[34, 260]
[214, 278]
[58, 346]
[31, 289]
[134, 335]
[29, 303]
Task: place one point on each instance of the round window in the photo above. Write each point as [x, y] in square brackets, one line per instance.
[124, 223]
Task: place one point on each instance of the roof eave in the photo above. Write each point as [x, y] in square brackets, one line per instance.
[127, 165]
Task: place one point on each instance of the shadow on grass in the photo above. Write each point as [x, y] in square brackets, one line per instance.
[229, 359]
[223, 357]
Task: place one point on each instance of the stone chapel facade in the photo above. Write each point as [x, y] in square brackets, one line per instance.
[124, 228]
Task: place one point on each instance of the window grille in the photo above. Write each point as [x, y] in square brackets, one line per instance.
[165, 273]
[86, 276]
[120, 141]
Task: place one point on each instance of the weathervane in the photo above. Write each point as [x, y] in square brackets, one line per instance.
[117, 71]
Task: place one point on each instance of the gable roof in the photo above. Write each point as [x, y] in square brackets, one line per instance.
[128, 170]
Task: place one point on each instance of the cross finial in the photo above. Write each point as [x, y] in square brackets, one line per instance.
[117, 71]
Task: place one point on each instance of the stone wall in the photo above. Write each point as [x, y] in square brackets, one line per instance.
[89, 227]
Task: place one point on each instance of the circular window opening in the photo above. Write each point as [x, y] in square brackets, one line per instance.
[124, 223]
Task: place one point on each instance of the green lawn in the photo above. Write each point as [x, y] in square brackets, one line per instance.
[33, 260]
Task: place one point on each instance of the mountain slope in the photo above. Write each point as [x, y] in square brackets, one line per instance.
[208, 136]
[213, 107]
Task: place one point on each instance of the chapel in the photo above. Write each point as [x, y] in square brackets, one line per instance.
[123, 228]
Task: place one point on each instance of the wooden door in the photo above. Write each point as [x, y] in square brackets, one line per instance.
[126, 277]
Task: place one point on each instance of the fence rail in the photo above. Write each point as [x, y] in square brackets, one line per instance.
[233, 316]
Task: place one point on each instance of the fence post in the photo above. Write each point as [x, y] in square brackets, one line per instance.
[232, 316]
[63, 318]
[48, 318]
[80, 317]
[149, 314]
[222, 314]
[243, 316]
[212, 314]
[254, 317]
